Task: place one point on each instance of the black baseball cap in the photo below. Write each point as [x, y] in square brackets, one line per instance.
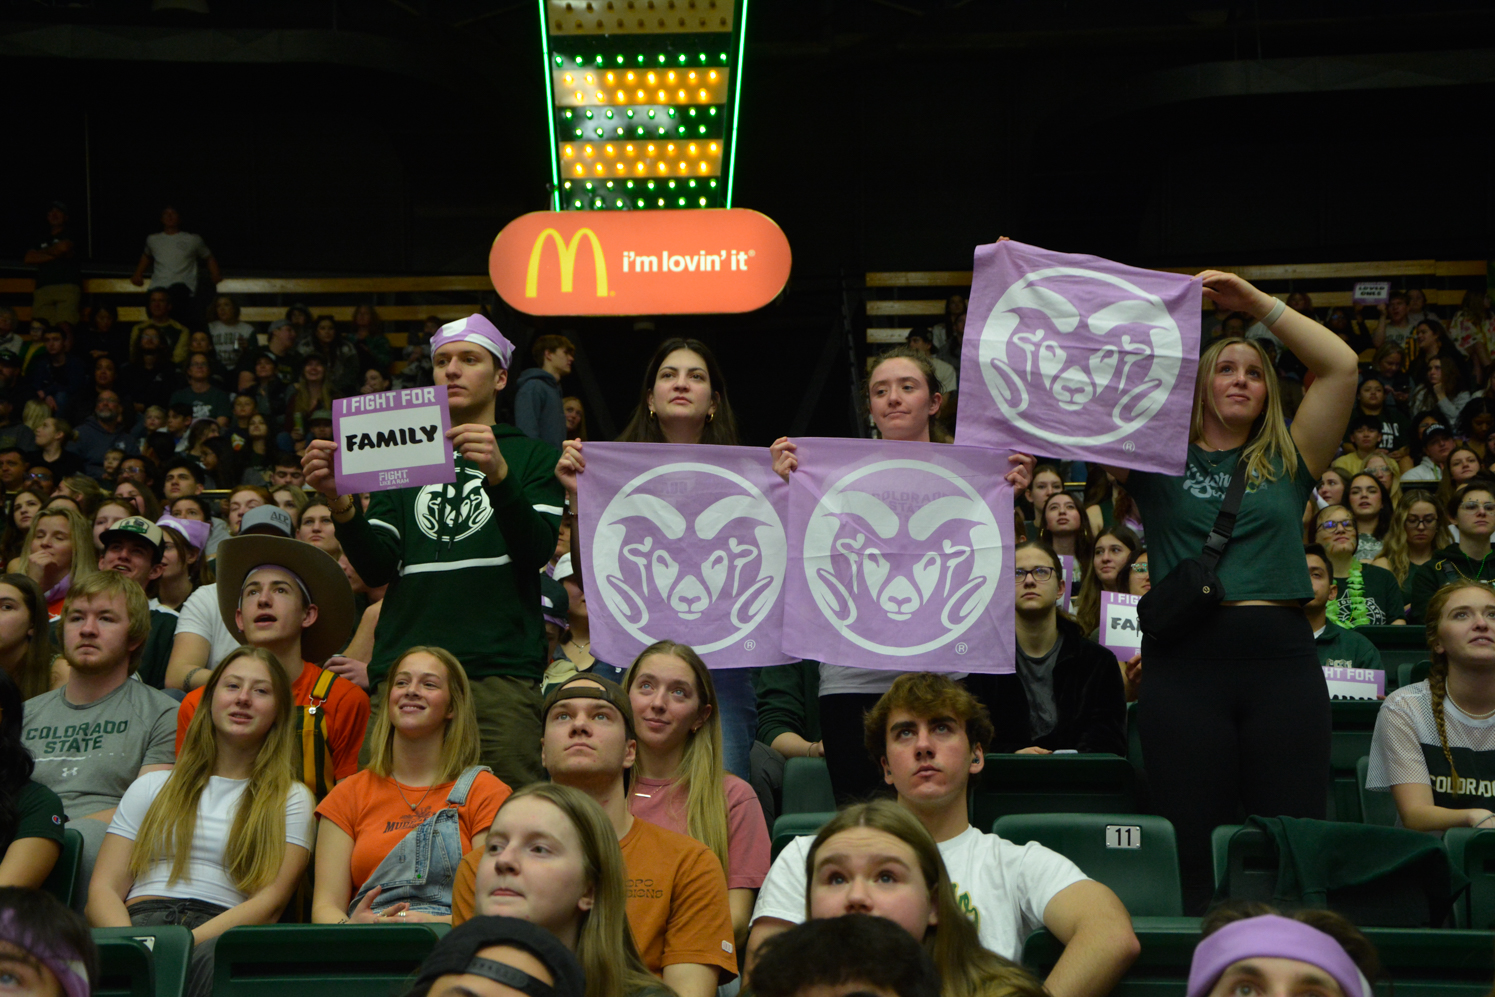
[457, 954]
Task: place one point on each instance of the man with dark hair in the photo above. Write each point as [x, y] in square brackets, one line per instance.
[178, 422]
[1396, 429]
[104, 431]
[929, 735]
[921, 339]
[182, 476]
[173, 258]
[59, 281]
[56, 374]
[13, 467]
[207, 400]
[173, 334]
[1395, 324]
[1336, 646]
[487, 535]
[677, 896]
[1364, 434]
[848, 956]
[538, 411]
[285, 472]
[1067, 692]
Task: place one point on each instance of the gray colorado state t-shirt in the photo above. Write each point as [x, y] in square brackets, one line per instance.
[89, 755]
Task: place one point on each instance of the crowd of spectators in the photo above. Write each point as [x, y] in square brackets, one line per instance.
[226, 694]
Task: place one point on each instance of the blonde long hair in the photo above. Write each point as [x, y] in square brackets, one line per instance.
[966, 968]
[1438, 673]
[1270, 449]
[257, 841]
[460, 747]
[1394, 544]
[701, 765]
[80, 531]
[604, 941]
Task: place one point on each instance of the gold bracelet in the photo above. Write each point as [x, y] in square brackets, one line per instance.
[339, 511]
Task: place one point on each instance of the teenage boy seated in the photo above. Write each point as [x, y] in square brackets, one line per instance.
[1364, 435]
[929, 735]
[101, 731]
[1067, 692]
[133, 547]
[293, 600]
[1337, 646]
[677, 892]
[849, 956]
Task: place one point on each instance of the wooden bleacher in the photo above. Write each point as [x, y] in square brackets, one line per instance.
[1444, 282]
[265, 299]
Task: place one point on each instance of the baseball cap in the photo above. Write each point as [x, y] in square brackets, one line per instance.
[320, 415]
[140, 528]
[272, 516]
[475, 329]
[9, 358]
[457, 954]
[580, 686]
[555, 605]
[1436, 427]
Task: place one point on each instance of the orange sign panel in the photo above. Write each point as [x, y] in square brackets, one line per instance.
[691, 262]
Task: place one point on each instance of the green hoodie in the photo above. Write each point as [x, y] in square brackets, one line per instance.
[463, 562]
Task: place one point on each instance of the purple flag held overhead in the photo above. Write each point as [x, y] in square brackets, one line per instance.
[899, 556]
[1079, 358]
[684, 543]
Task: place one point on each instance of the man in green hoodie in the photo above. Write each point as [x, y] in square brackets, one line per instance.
[463, 560]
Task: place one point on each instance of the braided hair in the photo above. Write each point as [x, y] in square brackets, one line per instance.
[1438, 673]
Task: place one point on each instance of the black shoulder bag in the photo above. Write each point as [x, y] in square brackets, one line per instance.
[1177, 603]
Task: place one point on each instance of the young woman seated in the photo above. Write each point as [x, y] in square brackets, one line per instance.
[678, 780]
[221, 839]
[876, 858]
[1250, 948]
[423, 770]
[1418, 530]
[31, 815]
[1114, 549]
[1432, 736]
[26, 651]
[58, 548]
[552, 858]
[1368, 593]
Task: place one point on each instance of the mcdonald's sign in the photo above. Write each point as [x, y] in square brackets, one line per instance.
[691, 262]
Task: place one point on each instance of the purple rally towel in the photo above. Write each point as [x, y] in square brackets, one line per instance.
[684, 543]
[900, 556]
[1078, 358]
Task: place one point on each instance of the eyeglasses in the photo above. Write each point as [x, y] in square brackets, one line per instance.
[1330, 525]
[1477, 506]
[1421, 520]
[1040, 574]
[1140, 568]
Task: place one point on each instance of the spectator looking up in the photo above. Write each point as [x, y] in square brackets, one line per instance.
[844, 956]
[1472, 510]
[1336, 646]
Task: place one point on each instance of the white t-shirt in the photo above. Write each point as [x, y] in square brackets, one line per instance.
[1003, 888]
[228, 340]
[199, 615]
[1405, 749]
[1426, 471]
[175, 258]
[206, 878]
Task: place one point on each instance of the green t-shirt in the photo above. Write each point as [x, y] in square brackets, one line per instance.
[39, 814]
[1264, 559]
[1341, 648]
[1383, 597]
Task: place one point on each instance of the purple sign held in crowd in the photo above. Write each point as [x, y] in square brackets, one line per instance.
[392, 439]
[1119, 630]
[684, 543]
[899, 556]
[1081, 358]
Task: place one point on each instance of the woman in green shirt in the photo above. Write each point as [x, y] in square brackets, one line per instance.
[1234, 714]
[31, 817]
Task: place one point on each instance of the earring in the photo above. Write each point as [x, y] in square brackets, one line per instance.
[651, 413]
[709, 417]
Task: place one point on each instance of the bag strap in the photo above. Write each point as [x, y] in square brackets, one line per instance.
[1219, 536]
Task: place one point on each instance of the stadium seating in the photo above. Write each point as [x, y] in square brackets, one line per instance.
[807, 787]
[1354, 721]
[142, 962]
[790, 826]
[1409, 674]
[1473, 853]
[1024, 784]
[1375, 807]
[330, 960]
[63, 879]
[1136, 855]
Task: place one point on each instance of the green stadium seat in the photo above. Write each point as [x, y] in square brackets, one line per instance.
[807, 787]
[1375, 807]
[1354, 721]
[1409, 673]
[324, 960]
[1473, 853]
[1026, 784]
[63, 878]
[790, 826]
[1136, 855]
[1424, 962]
[1398, 646]
[142, 962]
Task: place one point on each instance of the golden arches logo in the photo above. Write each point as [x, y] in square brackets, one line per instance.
[566, 256]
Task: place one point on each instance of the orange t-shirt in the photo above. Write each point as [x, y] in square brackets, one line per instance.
[347, 709]
[376, 812]
[677, 899]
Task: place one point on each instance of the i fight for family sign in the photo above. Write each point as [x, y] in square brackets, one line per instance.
[392, 439]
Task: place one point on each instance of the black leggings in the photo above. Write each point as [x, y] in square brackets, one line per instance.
[1234, 721]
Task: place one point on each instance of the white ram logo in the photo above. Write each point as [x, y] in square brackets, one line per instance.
[453, 511]
[869, 569]
[1031, 366]
[732, 556]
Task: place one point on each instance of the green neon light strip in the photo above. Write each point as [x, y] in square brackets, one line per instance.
[555, 165]
[736, 101]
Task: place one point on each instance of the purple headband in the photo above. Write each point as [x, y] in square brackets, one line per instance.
[1273, 937]
[475, 329]
[194, 530]
[68, 967]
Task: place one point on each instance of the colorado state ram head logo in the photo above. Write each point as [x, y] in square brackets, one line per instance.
[1040, 352]
[690, 552]
[902, 556]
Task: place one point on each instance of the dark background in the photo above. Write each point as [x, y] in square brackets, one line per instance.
[308, 137]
